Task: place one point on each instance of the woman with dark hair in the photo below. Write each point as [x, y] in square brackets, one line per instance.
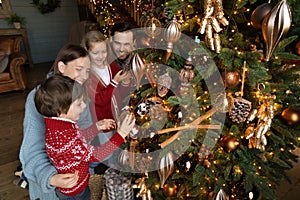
[72, 61]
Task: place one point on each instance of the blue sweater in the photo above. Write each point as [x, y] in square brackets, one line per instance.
[36, 163]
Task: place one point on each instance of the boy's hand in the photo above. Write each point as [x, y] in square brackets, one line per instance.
[106, 124]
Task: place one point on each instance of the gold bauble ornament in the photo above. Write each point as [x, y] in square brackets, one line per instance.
[210, 195]
[291, 116]
[298, 48]
[231, 78]
[229, 143]
[152, 27]
[206, 164]
[259, 14]
[170, 190]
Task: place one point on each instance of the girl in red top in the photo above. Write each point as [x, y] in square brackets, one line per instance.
[60, 100]
[104, 78]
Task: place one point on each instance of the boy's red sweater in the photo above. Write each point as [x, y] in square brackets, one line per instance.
[69, 151]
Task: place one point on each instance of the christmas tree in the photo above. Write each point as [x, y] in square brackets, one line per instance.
[104, 12]
[221, 120]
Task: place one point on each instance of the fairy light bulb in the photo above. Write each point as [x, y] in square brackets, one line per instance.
[188, 165]
[251, 195]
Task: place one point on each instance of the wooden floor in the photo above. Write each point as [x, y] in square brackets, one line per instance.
[11, 133]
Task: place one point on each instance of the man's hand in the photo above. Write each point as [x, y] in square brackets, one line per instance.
[123, 76]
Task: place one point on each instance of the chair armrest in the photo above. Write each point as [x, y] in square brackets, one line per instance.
[16, 55]
[16, 60]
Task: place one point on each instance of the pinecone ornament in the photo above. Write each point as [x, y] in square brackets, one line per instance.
[241, 107]
[240, 111]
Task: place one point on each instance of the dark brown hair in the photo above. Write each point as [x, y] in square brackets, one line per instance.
[67, 54]
[56, 94]
[121, 27]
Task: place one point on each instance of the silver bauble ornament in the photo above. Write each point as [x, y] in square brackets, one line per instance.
[172, 34]
[275, 26]
[138, 68]
[166, 167]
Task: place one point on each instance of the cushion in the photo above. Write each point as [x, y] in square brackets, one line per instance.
[3, 62]
[7, 45]
[4, 76]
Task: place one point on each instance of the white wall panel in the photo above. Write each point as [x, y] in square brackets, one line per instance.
[47, 33]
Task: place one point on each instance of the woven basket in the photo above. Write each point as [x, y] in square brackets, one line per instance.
[96, 185]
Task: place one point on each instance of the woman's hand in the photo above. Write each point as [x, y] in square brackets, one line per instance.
[64, 180]
[125, 126]
[106, 124]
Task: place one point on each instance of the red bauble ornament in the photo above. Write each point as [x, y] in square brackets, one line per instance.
[291, 116]
[231, 78]
[259, 14]
[298, 48]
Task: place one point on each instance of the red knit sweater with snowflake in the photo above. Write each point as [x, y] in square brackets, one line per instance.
[67, 148]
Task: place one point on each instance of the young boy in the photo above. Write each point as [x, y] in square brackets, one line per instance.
[61, 100]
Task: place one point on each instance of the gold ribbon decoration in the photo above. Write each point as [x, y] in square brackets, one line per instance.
[144, 192]
[256, 134]
[210, 24]
[275, 26]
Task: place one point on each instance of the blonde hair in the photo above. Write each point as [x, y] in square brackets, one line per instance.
[92, 37]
